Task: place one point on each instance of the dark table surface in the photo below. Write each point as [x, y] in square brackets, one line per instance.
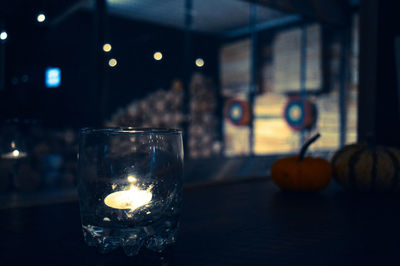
[244, 223]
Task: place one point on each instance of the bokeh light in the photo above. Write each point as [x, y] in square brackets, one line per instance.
[158, 56]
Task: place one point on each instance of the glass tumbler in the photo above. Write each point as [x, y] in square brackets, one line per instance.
[130, 187]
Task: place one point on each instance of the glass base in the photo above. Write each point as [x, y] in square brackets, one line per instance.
[156, 236]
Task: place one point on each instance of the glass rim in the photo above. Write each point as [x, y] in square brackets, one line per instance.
[129, 130]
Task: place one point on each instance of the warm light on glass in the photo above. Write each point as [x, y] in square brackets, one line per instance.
[131, 199]
[131, 179]
[3, 35]
[41, 18]
[112, 62]
[199, 62]
[107, 47]
[157, 56]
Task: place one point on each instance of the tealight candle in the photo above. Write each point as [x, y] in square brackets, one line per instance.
[131, 199]
[15, 154]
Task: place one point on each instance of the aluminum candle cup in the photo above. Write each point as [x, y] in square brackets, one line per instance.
[130, 187]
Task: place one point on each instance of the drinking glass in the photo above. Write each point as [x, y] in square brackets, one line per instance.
[130, 187]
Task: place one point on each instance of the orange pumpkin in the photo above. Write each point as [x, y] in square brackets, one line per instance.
[299, 173]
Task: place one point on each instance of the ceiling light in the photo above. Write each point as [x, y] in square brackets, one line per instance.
[41, 18]
[3, 35]
[112, 62]
[199, 62]
[107, 47]
[157, 56]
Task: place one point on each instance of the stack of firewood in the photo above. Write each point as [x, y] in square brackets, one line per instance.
[203, 123]
[161, 109]
[164, 109]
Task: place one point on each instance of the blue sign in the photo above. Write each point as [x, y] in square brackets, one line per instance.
[53, 77]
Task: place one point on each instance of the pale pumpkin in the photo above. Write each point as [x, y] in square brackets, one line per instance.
[366, 167]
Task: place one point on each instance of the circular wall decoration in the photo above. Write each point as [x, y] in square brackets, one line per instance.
[300, 114]
[237, 111]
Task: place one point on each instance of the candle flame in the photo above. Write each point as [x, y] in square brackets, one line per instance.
[15, 153]
[131, 179]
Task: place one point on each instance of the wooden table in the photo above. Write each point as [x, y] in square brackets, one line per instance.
[241, 223]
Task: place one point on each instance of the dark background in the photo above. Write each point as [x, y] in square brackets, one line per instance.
[32, 47]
